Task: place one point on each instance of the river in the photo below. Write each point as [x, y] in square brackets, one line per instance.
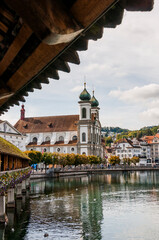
[96, 207]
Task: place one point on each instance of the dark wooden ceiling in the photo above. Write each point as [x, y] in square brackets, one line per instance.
[39, 38]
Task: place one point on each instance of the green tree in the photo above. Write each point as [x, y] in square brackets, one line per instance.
[113, 160]
[135, 160]
[35, 156]
[94, 159]
[47, 159]
[108, 141]
[126, 161]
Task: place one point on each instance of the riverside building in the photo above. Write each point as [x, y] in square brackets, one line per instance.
[68, 133]
[11, 134]
[126, 148]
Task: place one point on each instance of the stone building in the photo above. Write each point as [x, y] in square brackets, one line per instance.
[126, 148]
[11, 134]
[153, 141]
[65, 134]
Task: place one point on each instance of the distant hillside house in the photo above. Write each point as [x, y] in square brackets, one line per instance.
[153, 141]
[11, 134]
[65, 134]
[126, 148]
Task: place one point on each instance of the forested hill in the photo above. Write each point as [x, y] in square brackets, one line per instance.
[125, 133]
[114, 130]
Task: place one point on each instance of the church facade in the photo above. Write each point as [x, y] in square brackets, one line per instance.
[65, 134]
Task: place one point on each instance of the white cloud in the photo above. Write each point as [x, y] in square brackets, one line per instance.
[137, 94]
[125, 59]
[77, 89]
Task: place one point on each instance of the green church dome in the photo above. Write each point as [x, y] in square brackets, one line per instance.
[85, 96]
[94, 101]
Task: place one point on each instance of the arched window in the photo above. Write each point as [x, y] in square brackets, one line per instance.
[47, 139]
[74, 138]
[45, 150]
[84, 153]
[61, 138]
[35, 140]
[83, 137]
[83, 112]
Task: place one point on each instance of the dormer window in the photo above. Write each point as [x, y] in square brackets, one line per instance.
[50, 125]
[25, 126]
[61, 138]
[74, 138]
[35, 140]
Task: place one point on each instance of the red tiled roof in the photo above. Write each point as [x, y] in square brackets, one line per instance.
[148, 139]
[48, 124]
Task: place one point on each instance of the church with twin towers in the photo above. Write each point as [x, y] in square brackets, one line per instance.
[68, 133]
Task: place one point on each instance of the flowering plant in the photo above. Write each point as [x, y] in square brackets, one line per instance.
[9, 180]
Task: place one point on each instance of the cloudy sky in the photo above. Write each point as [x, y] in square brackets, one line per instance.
[122, 67]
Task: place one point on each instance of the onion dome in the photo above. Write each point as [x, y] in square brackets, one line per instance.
[94, 101]
[85, 96]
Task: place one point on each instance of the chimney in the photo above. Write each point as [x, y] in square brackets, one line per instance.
[22, 113]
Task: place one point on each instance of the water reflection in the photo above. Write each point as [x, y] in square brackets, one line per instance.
[89, 208]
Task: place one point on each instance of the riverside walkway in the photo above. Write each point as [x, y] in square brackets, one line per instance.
[87, 171]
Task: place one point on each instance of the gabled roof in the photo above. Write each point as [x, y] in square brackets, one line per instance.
[125, 140]
[11, 126]
[39, 38]
[149, 139]
[48, 124]
[9, 149]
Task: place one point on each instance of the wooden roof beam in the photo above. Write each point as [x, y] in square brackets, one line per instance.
[114, 16]
[139, 5]
[59, 25]
[70, 56]
[59, 64]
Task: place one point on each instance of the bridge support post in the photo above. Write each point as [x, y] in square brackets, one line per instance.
[28, 183]
[24, 186]
[2, 209]
[11, 199]
[19, 190]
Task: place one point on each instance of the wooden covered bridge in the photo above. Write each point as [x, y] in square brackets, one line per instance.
[38, 38]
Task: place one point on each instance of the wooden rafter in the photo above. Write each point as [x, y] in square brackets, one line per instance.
[28, 62]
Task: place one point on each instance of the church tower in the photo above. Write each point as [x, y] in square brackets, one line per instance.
[96, 146]
[89, 128]
[84, 124]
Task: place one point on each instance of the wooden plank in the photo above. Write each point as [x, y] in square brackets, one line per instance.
[33, 65]
[139, 5]
[3, 27]
[1, 38]
[49, 19]
[24, 33]
[86, 11]
[6, 14]
[70, 56]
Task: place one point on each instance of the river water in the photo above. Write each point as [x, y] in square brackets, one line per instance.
[98, 207]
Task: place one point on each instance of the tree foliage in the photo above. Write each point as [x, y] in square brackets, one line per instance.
[35, 156]
[62, 158]
[113, 160]
[135, 160]
[108, 141]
